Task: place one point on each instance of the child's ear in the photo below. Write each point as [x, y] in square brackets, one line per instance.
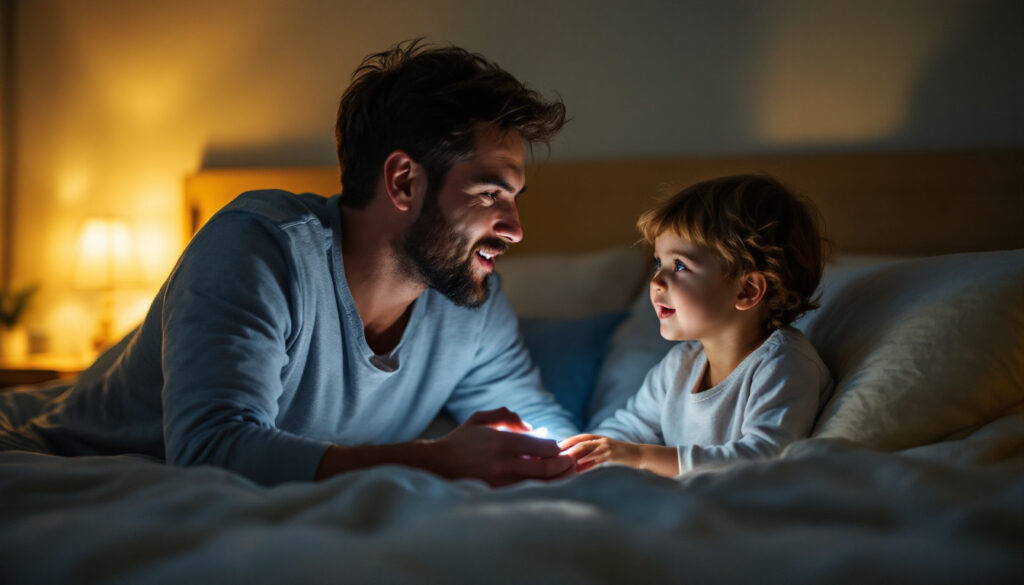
[753, 285]
[404, 179]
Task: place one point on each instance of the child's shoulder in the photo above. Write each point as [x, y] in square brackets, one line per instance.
[789, 345]
[789, 337]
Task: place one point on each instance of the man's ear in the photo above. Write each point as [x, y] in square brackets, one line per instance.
[753, 285]
[404, 180]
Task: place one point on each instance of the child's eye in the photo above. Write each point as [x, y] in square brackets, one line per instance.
[680, 266]
[657, 264]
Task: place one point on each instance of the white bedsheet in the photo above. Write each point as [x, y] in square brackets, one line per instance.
[825, 513]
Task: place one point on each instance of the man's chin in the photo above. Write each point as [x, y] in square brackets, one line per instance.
[477, 299]
[463, 296]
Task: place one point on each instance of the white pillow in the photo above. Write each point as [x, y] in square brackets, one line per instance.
[920, 349]
[573, 285]
[854, 260]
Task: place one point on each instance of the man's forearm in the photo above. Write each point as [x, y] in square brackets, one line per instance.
[339, 458]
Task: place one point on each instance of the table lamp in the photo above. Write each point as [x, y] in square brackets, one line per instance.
[105, 261]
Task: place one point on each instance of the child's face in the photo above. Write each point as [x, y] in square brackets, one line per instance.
[690, 294]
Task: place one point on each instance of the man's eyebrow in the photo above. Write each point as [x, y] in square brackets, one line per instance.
[496, 181]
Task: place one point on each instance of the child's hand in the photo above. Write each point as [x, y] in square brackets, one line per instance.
[590, 450]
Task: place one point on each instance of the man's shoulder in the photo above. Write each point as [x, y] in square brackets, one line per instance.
[279, 207]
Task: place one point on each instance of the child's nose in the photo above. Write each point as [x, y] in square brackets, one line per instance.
[657, 282]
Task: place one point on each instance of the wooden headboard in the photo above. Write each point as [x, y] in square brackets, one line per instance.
[885, 203]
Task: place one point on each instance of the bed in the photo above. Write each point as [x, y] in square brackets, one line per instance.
[914, 471]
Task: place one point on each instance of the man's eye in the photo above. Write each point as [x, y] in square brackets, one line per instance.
[491, 195]
[680, 266]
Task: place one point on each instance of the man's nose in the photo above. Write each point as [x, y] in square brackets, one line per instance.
[507, 226]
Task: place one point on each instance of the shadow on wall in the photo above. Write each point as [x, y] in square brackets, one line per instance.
[952, 103]
[950, 81]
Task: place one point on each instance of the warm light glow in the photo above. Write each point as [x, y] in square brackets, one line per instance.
[74, 322]
[157, 245]
[541, 433]
[105, 260]
[105, 254]
[73, 186]
[846, 89]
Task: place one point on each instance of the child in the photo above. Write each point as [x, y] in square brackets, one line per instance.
[737, 259]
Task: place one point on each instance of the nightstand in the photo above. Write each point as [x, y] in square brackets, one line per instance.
[38, 369]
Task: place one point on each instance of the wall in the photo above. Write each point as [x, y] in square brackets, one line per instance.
[118, 100]
[6, 138]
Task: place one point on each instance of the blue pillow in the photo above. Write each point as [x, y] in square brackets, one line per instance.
[569, 353]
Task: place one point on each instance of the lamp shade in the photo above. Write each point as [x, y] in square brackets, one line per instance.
[105, 254]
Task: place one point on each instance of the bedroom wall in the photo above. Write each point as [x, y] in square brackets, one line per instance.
[6, 26]
[118, 100]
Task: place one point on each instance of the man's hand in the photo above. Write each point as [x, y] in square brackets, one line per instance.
[590, 450]
[477, 449]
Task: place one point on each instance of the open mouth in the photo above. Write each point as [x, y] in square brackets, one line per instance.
[664, 312]
[486, 258]
[487, 251]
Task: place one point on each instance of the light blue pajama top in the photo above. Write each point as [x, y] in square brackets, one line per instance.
[252, 357]
[771, 399]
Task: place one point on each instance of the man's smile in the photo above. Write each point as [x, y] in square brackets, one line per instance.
[486, 259]
[486, 255]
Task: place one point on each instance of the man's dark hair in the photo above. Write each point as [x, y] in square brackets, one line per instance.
[427, 100]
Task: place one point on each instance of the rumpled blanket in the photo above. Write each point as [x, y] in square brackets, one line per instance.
[824, 513]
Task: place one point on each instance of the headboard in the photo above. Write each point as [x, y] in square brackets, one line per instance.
[879, 203]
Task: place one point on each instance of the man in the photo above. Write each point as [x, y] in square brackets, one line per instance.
[300, 337]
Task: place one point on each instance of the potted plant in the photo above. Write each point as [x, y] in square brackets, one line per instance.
[13, 337]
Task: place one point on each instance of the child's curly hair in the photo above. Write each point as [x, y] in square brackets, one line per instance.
[755, 224]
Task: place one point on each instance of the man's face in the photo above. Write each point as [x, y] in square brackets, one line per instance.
[466, 224]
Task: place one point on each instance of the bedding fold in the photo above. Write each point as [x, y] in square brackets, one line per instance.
[827, 513]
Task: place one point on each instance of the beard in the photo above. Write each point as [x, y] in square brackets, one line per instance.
[443, 259]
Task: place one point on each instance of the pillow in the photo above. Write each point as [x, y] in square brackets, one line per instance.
[569, 353]
[573, 285]
[920, 349]
[854, 260]
[636, 347]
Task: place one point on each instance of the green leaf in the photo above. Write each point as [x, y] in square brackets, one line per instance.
[14, 303]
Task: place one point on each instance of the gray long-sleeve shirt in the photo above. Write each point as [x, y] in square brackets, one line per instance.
[253, 357]
[769, 400]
